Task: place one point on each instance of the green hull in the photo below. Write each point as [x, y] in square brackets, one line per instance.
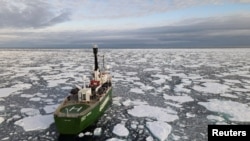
[74, 125]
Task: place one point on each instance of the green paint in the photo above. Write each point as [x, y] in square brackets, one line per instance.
[74, 125]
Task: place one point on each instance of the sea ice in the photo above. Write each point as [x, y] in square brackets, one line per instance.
[2, 108]
[240, 89]
[66, 88]
[5, 92]
[162, 114]
[35, 99]
[215, 118]
[116, 100]
[50, 108]
[26, 95]
[180, 88]
[120, 130]
[22, 86]
[235, 111]
[159, 81]
[1, 119]
[115, 139]
[30, 111]
[147, 87]
[179, 99]
[97, 131]
[80, 135]
[149, 138]
[160, 130]
[161, 76]
[41, 95]
[133, 103]
[190, 115]
[231, 81]
[156, 69]
[229, 95]
[38, 122]
[136, 90]
[214, 88]
[53, 83]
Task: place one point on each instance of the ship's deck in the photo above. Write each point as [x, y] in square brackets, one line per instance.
[73, 108]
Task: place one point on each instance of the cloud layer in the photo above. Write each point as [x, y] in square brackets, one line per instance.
[43, 13]
[228, 31]
[30, 23]
[30, 14]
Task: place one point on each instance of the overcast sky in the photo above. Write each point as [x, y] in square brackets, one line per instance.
[124, 23]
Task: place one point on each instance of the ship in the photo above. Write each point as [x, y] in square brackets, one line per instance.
[85, 104]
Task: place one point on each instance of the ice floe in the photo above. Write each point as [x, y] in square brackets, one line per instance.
[120, 130]
[136, 90]
[1, 120]
[98, 131]
[149, 138]
[5, 92]
[115, 139]
[162, 114]
[215, 118]
[214, 88]
[2, 108]
[179, 99]
[229, 95]
[26, 95]
[116, 100]
[180, 88]
[30, 111]
[35, 99]
[160, 130]
[37, 122]
[53, 83]
[133, 103]
[234, 111]
[159, 81]
[50, 108]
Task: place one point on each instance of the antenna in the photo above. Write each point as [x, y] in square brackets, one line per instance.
[84, 78]
[103, 61]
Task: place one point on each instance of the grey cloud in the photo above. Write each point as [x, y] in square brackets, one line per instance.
[230, 31]
[30, 14]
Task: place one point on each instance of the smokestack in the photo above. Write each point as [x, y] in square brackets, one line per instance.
[95, 50]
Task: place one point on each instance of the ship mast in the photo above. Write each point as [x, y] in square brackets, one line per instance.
[96, 70]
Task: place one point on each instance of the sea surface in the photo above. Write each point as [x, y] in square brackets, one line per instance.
[158, 94]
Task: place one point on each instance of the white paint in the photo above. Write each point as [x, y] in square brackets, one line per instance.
[104, 103]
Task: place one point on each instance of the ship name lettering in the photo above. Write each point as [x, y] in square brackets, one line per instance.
[104, 103]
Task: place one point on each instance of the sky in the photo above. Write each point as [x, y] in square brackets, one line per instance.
[124, 23]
